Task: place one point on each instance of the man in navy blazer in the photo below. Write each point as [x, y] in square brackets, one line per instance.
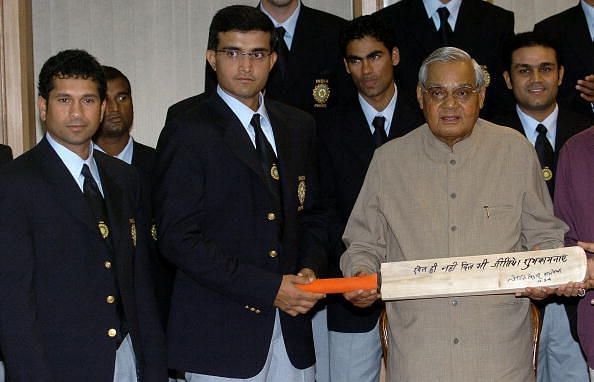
[348, 140]
[476, 26]
[77, 301]
[113, 138]
[534, 73]
[237, 214]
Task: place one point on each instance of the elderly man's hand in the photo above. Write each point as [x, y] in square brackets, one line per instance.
[362, 298]
[586, 88]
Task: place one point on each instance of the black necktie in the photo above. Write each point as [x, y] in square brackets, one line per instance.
[270, 167]
[444, 26]
[93, 194]
[379, 135]
[282, 52]
[545, 153]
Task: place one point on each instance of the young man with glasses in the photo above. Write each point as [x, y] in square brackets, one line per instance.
[236, 213]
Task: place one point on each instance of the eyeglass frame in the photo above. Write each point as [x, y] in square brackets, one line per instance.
[252, 56]
[450, 92]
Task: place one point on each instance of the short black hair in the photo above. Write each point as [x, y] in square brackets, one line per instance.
[527, 40]
[71, 63]
[112, 73]
[240, 18]
[366, 26]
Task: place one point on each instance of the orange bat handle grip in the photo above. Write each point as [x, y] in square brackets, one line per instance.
[341, 285]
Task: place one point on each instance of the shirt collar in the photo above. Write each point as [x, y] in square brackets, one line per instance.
[529, 125]
[289, 24]
[241, 111]
[370, 112]
[453, 7]
[589, 12]
[124, 155]
[74, 163]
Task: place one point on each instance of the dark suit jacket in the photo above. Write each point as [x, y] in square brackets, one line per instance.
[482, 30]
[314, 56]
[5, 154]
[54, 316]
[144, 159]
[346, 148]
[212, 206]
[569, 31]
[569, 123]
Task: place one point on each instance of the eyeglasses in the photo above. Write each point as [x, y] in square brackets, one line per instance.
[235, 54]
[461, 93]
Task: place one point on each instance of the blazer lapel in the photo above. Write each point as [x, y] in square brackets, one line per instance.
[235, 135]
[357, 135]
[118, 222]
[283, 150]
[65, 189]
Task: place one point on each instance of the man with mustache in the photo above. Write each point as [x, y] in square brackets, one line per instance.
[348, 138]
[113, 138]
[534, 74]
[78, 302]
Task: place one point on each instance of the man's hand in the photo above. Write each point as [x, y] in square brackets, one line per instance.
[586, 88]
[362, 298]
[292, 300]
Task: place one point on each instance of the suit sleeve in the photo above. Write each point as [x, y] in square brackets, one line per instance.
[180, 210]
[365, 233]
[21, 341]
[313, 222]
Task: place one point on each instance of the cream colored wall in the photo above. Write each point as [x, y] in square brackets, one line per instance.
[158, 44]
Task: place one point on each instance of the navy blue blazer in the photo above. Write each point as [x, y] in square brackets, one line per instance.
[213, 206]
[5, 154]
[346, 149]
[482, 29]
[54, 317]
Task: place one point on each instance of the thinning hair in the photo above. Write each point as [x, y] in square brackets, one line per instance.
[451, 54]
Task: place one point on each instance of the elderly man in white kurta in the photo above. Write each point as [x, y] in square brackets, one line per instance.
[455, 186]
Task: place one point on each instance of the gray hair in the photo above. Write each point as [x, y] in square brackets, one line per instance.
[451, 54]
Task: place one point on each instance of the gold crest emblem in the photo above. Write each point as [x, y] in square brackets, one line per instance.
[301, 189]
[103, 229]
[274, 172]
[154, 232]
[547, 173]
[133, 230]
[321, 93]
[486, 74]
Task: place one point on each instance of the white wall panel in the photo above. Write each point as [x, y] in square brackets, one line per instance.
[158, 44]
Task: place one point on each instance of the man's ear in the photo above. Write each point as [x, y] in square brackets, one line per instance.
[507, 79]
[42, 106]
[211, 58]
